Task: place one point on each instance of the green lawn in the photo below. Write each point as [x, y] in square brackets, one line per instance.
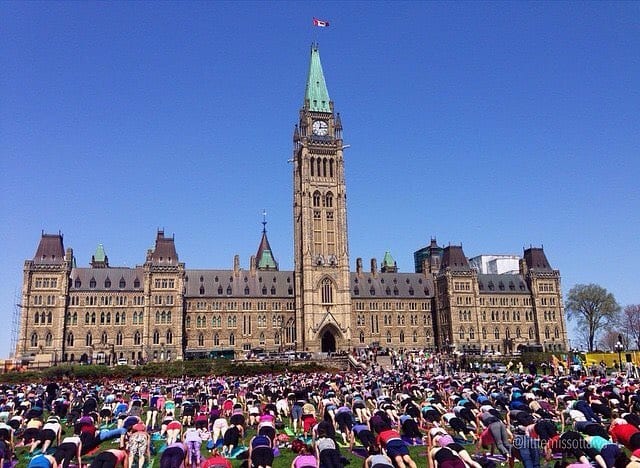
[418, 453]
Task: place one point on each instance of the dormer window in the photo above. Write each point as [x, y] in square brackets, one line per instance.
[107, 283]
[92, 283]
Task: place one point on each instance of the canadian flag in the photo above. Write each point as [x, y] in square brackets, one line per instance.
[320, 23]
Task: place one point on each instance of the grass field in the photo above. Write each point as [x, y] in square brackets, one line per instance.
[418, 453]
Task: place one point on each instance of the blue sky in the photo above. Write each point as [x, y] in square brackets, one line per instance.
[495, 125]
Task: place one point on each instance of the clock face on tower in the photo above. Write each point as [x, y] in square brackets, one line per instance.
[320, 127]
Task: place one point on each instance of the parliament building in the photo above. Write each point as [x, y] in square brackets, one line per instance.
[161, 310]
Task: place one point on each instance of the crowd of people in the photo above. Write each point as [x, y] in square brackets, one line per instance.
[465, 419]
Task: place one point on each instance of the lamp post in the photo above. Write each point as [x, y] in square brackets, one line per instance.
[619, 347]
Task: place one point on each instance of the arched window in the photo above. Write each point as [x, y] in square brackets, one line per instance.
[484, 333]
[361, 337]
[70, 339]
[232, 340]
[119, 338]
[401, 336]
[496, 333]
[415, 336]
[93, 318]
[156, 337]
[276, 338]
[101, 318]
[34, 340]
[316, 199]
[136, 338]
[262, 339]
[48, 340]
[123, 318]
[103, 339]
[200, 339]
[74, 318]
[108, 318]
[216, 340]
[327, 291]
[169, 337]
[49, 317]
[88, 340]
[530, 333]
[472, 333]
[187, 322]
[518, 332]
[388, 336]
[313, 169]
[556, 332]
[37, 318]
[328, 200]
[123, 283]
[547, 335]
[461, 333]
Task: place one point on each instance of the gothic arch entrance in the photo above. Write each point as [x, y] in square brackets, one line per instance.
[328, 342]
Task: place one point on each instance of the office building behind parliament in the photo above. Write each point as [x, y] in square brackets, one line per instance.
[161, 310]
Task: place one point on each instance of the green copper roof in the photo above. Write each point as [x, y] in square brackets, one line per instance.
[316, 93]
[266, 261]
[99, 256]
[388, 259]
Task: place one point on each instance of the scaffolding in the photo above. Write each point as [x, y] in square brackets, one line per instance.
[15, 324]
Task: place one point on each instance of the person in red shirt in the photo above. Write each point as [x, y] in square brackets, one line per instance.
[395, 448]
[626, 434]
[216, 461]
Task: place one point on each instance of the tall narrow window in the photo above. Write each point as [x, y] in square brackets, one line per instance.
[327, 291]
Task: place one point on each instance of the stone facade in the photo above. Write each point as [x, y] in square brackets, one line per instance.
[161, 310]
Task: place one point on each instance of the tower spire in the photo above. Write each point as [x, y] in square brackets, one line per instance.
[316, 95]
[264, 257]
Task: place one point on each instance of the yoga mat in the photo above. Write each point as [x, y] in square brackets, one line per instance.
[237, 451]
[360, 452]
[289, 432]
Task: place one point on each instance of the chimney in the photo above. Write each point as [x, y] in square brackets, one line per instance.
[359, 266]
[236, 264]
[252, 265]
[374, 267]
[69, 255]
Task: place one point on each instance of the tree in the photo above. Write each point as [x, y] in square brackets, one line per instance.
[609, 340]
[593, 307]
[630, 324]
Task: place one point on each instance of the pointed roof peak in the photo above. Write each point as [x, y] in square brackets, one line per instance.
[264, 256]
[316, 95]
[389, 265]
[100, 259]
[100, 254]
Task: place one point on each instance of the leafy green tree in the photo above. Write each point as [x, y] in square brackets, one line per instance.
[592, 307]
